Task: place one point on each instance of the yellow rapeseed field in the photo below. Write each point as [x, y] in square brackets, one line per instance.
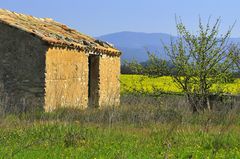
[140, 83]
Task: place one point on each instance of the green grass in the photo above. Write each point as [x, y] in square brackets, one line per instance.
[142, 127]
[69, 140]
[57, 136]
[58, 140]
[165, 84]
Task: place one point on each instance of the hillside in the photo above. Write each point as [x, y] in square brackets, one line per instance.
[136, 44]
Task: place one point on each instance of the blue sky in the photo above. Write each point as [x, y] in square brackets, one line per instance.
[98, 17]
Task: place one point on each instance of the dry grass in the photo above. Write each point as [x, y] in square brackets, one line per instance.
[142, 127]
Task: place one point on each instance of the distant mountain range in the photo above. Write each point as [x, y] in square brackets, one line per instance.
[136, 44]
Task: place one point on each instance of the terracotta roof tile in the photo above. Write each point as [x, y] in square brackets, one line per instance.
[55, 33]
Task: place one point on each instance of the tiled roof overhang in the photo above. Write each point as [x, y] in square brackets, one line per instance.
[56, 34]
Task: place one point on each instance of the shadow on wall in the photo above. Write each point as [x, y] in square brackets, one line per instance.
[22, 70]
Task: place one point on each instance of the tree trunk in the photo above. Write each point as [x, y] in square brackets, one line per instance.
[198, 103]
[192, 103]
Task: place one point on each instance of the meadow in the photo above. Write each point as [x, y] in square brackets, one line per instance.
[120, 133]
[141, 130]
[142, 127]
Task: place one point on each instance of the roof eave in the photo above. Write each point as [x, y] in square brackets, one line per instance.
[91, 50]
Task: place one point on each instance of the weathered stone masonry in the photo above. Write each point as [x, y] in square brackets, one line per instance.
[109, 83]
[66, 79]
[46, 65]
[22, 70]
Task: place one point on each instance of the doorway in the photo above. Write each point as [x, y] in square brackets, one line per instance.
[93, 81]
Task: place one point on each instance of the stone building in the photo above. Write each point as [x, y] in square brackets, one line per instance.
[47, 65]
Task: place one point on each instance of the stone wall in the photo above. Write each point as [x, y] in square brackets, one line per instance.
[66, 79]
[34, 76]
[109, 84]
[22, 67]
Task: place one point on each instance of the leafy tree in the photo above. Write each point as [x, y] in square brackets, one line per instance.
[200, 60]
[154, 66]
[236, 59]
[133, 66]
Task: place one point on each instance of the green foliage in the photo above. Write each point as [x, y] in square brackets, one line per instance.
[200, 60]
[154, 66]
[134, 67]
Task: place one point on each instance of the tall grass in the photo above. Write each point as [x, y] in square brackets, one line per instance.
[142, 127]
